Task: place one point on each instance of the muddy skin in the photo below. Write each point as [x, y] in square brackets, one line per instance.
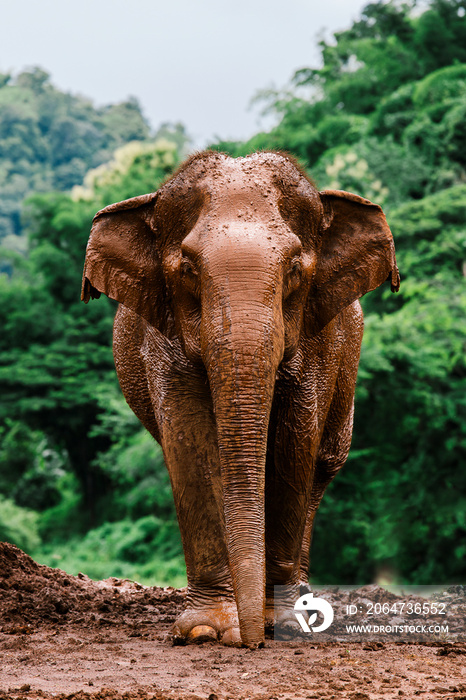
[237, 344]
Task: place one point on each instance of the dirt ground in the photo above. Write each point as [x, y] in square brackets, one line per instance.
[70, 637]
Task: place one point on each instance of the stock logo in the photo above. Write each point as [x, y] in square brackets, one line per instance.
[307, 603]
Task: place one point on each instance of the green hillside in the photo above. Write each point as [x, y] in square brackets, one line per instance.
[49, 139]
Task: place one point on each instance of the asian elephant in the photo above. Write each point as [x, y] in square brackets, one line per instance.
[236, 344]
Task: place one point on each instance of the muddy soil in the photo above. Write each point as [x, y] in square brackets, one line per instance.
[69, 637]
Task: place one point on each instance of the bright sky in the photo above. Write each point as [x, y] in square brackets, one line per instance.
[195, 61]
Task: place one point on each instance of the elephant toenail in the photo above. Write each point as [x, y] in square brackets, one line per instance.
[231, 637]
[202, 633]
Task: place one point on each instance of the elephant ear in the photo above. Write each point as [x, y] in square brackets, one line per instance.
[357, 255]
[123, 261]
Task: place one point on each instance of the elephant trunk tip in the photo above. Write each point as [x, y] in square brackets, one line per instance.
[252, 646]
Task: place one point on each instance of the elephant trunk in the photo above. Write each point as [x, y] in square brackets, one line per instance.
[242, 358]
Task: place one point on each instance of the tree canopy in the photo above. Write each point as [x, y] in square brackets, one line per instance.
[50, 139]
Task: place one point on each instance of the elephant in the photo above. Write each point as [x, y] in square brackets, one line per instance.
[236, 344]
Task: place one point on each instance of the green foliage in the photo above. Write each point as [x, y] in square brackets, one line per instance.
[50, 139]
[68, 519]
[57, 374]
[147, 550]
[141, 484]
[17, 453]
[30, 470]
[440, 86]
[136, 168]
[409, 441]
[18, 525]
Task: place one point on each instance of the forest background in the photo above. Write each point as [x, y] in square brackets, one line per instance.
[82, 485]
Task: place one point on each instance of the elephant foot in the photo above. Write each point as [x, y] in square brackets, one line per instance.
[217, 622]
[280, 619]
[281, 623]
[231, 637]
[201, 633]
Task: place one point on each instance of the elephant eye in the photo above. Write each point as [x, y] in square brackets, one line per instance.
[187, 268]
[189, 276]
[293, 277]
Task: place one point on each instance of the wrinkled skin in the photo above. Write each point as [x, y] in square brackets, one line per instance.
[237, 344]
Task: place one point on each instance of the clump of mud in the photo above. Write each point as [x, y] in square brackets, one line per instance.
[32, 595]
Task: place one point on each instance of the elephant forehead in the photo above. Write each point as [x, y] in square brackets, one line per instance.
[217, 194]
[237, 239]
[245, 238]
[233, 187]
[213, 188]
[224, 179]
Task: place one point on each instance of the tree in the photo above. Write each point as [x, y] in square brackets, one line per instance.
[55, 354]
[50, 139]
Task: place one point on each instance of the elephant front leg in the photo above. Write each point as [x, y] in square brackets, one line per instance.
[189, 443]
[332, 455]
[288, 486]
[309, 445]
[298, 479]
[291, 458]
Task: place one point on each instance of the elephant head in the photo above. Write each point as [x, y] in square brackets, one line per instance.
[240, 261]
